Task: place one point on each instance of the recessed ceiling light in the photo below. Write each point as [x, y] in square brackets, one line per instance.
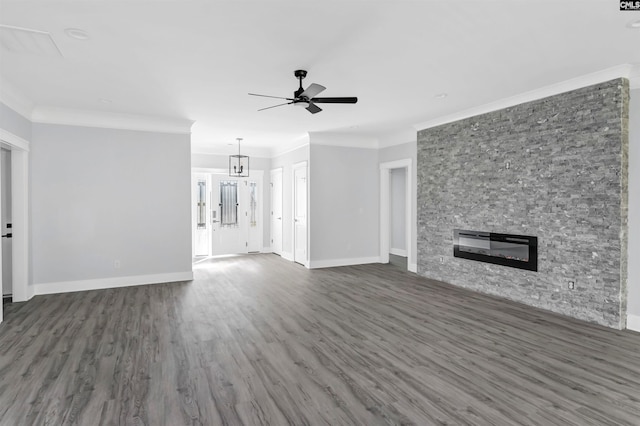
[441, 96]
[104, 101]
[634, 24]
[77, 33]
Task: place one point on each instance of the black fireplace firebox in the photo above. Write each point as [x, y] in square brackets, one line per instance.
[517, 251]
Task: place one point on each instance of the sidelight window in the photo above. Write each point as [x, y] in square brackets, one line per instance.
[253, 203]
[202, 204]
[229, 203]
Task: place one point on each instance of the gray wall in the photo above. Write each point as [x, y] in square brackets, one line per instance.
[567, 185]
[13, 122]
[98, 195]
[344, 203]
[402, 152]
[398, 209]
[633, 306]
[217, 161]
[286, 161]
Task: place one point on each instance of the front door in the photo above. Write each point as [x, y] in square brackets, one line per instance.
[228, 230]
[300, 213]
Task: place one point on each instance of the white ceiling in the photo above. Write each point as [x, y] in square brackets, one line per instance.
[197, 60]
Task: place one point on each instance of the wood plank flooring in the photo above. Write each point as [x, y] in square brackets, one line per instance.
[257, 340]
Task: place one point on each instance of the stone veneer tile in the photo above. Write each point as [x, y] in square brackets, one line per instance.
[566, 184]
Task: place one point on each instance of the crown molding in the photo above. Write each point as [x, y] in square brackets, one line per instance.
[345, 140]
[295, 144]
[634, 77]
[109, 120]
[621, 71]
[227, 150]
[397, 137]
[15, 100]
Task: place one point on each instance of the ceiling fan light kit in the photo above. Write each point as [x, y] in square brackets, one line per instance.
[307, 97]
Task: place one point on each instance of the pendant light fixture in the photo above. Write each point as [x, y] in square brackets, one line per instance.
[239, 164]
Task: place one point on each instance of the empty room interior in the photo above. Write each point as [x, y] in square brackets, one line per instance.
[301, 212]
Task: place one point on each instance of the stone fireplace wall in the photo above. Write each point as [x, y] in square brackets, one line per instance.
[555, 168]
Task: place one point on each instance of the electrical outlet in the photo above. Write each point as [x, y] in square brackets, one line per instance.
[441, 259]
[571, 284]
[116, 264]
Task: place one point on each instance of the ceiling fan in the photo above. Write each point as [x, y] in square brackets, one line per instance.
[307, 97]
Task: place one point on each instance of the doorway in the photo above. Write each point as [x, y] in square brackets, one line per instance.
[396, 189]
[300, 213]
[276, 211]
[16, 208]
[227, 213]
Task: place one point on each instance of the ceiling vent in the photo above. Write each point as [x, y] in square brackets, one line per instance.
[26, 41]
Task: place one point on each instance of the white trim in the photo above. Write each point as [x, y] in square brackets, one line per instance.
[398, 252]
[15, 100]
[345, 140]
[332, 263]
[227, 150]
[103, 283]
[385, 207]
[14, 140]
[285, 150]
[412, 267]
[287, 255]
[110, 120]
[620, 71]
[397, 137]
[633, 322]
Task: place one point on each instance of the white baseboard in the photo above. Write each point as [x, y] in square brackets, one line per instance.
[102, 283]
[412, 267]
[398, 252]
[286, 255]
[633, 322]
[314, 264]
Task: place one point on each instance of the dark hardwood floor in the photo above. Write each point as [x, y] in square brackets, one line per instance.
[259, 340]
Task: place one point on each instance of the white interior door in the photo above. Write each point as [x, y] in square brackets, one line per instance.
[5, 222]
[202, 215]
[229, 221]
[276, 211]
[300, 213]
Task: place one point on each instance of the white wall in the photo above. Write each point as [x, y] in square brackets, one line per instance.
[286, 161]
[102, 195]
[398, 217]
[633, 282]
[401, 152]
[219, 161]
[344, 205]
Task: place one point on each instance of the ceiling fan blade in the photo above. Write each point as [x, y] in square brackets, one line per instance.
[313, 108]
[312, 90]
[348, 100]
[267, 96]
[286, 103]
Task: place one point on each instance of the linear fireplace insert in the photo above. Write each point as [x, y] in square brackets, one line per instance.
[517, 251]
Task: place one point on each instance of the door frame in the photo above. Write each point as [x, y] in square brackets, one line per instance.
[19, 147]
[277, 170]
[385, 208]
[297, 166]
